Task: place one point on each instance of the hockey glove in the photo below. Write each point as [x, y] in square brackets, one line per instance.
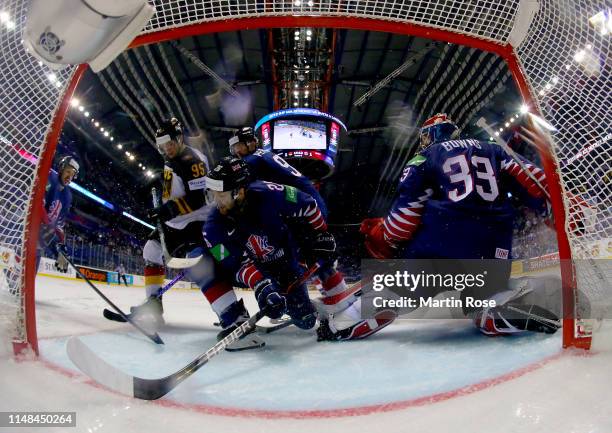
[323, 247]
[269, 298]
[61, 264]
[375, 242]
[165, 212]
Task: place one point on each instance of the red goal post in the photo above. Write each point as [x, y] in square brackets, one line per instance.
[539, 45]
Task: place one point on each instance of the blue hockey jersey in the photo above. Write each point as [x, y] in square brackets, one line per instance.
[266, 165]
[261, 240]
[56, 205]
[453, 201]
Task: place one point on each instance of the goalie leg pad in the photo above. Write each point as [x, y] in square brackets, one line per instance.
[516, 318]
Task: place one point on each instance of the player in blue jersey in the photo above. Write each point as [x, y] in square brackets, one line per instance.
[453, 202]
[254, 234]
[266, 165]
[56, 205]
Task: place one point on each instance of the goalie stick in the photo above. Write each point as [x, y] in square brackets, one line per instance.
[152, 389]
[111, 315]
[153, 336]
[171, 262]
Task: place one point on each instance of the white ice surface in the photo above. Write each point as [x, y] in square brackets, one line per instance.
[407, 361]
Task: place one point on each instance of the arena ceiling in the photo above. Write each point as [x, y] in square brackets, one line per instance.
[381, 85]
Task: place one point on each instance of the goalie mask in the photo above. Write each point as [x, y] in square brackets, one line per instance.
[437, 129]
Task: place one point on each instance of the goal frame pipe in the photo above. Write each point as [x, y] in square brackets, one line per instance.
[32, 225]
[505, 51]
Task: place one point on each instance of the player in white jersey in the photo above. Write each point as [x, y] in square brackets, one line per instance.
[182, 212]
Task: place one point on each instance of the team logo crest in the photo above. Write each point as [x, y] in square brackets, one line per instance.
[259, 247]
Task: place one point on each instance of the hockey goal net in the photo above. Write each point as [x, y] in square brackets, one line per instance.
[559, 59]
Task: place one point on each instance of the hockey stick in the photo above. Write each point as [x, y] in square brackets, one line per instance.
[111, 315]
[153, 336]
[171, 262]
[152, 389]
[274, 328]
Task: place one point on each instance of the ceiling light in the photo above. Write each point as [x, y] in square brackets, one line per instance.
[143, 168]
[310, 3]
[97, 124]
[4, 17]
[120, 146]
[127, 153]
[111, 139]
[81, 108]
[297, 38]
[86, 114]
[305, 104]
[309, 32]
[52, 77]
[295, 104]
[579, 56]
[497, 134]
[74, 102]
[308, 38]
[131, 157]
[297, 2]
[297, 33]
[106, 134]
[507, 124]
[10, 25]
[101, 129]
[296, 94]
[149, 173]
[296, 85]
[524, 109]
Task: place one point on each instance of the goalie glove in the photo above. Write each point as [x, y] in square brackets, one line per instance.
[375, 242]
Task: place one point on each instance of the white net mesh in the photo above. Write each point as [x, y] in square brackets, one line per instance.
[30, 96]
[569, 71]
[575, 99]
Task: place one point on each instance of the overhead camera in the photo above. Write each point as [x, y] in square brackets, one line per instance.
[71, 32]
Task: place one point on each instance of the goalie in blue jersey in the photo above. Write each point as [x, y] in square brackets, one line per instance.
[454, 203]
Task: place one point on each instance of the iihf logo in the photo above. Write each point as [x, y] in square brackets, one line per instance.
[258, 246]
